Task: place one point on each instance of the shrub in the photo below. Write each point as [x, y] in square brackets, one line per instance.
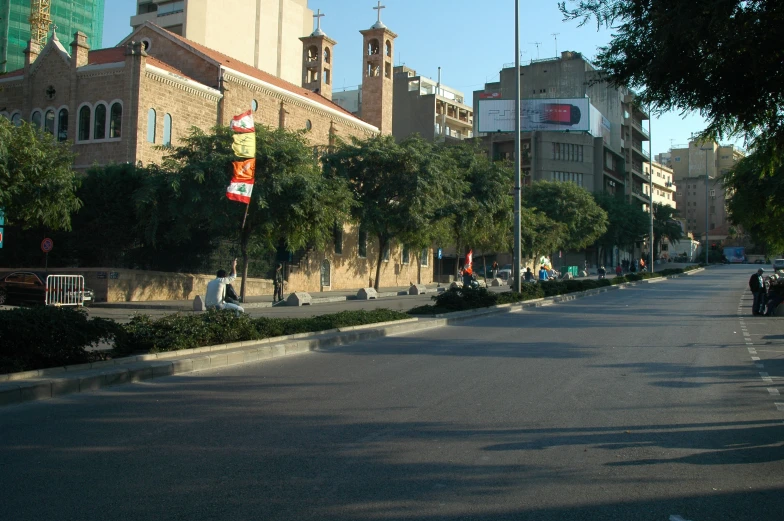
[45, 336]
[178, 331]
[459, 299]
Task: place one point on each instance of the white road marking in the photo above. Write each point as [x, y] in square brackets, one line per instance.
[773, 391]
[780, 406]
[760, 366]
[766, 377]
[677, 518]
[755, 358]
[752, 351]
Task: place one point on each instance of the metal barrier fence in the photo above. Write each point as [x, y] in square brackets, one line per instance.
[64, 290]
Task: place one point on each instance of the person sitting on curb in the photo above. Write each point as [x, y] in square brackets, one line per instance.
[216, 291]
[543, 275]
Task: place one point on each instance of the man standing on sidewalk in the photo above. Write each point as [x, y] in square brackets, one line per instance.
[278, 294]
[757, 287]
[216, 291]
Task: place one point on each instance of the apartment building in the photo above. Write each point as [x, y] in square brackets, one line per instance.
[422, 105]
[700, 158]
[664, 189]
[261, 33]
[599, 144]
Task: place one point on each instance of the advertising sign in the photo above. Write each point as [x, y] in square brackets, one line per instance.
[554, 114]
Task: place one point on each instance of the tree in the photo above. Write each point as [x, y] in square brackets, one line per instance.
[397, 188]
[539, 234]
[481, 213]
[627, 223]
[665, 227]
[721, 58]
[37, 183]
[754, 191]
[292, 202]
[571, 205]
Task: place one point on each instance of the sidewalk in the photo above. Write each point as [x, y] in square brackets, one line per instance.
[264, 301]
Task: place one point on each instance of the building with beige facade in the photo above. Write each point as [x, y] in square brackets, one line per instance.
[261, 33]
[130, 103]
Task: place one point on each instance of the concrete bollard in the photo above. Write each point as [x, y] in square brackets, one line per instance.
[417, 289]
[198, 304]
[367, 294]
[299, 298]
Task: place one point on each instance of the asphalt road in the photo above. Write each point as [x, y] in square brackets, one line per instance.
[657, 402]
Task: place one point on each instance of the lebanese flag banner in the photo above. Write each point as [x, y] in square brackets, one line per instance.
[243, 123]
[244, 145]
[469, 262]
[241, 186]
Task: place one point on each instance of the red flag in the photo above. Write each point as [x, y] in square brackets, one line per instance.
[469, 262]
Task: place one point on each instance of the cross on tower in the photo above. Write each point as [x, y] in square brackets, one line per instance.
[318, 16]
[379, 8]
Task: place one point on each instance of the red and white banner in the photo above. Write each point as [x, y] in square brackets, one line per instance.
[241, 186]
[243, 123]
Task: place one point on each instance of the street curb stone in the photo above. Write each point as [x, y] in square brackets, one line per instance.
[55, 382]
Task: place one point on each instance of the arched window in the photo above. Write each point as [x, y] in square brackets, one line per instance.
[312, 53]
[99, 128]
[35, 119]
[84, 123]
[167, 130]
[327, 54]
[151, 126]
[389, 48]
[62, 125]
[373, 47]
[16, 119]
[115, 121]
[49, 121]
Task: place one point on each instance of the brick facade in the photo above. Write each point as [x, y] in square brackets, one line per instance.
[187, 85]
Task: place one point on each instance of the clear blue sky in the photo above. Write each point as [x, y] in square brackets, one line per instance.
[469, 40]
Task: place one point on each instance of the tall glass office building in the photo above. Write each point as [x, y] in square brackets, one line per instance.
[68, 15]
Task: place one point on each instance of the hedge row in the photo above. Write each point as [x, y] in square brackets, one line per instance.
[42, 337]
[460, 299]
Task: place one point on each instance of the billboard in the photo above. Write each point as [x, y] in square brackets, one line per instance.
[558, 114]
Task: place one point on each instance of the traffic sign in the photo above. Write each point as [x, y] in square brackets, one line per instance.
[439, 253]
[46, 245]
[1, 237]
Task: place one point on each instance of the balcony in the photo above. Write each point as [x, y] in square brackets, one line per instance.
[637, 192]
[637, 149]
[637, 170]
[640, 132]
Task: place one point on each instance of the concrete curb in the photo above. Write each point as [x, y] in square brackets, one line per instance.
[59, 381]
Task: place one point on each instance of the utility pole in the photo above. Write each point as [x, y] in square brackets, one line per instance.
[517, 257]
[555, 35]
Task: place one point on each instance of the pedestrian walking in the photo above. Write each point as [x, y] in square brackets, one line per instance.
[757, 287]
[618, 270]
[216, 291]
[495, 269]
[277, 296]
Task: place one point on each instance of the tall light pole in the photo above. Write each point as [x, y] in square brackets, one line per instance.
[517, 252]
[706, 201]
[650, 189]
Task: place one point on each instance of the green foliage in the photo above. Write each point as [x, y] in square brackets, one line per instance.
[44, 336]
[540, 234]
[37, 184]
[481, 213]
[458, 299]
[397, 188]
[572, 206]
[665, 227]
[724, 62]
[627, 223]
[187, 331]
[755, 190]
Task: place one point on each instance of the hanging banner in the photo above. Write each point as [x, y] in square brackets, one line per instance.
[243, 123]
[244, 145]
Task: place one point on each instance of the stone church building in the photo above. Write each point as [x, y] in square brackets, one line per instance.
[120, 104]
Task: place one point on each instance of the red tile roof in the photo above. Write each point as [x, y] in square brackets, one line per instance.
[109, 55]
[259, 74]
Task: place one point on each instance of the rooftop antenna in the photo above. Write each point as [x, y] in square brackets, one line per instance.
[555, 35]
[537, 47]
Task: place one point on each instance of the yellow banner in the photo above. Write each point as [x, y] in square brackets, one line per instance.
[244, 145]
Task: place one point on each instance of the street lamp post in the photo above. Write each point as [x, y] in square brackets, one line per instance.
[517, 251]
[706, 201]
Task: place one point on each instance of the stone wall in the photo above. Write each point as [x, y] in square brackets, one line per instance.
[120, 285]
